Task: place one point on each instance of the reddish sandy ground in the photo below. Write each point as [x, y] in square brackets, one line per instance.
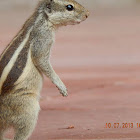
[99, 61]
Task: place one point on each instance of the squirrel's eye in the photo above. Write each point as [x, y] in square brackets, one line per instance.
[69, 7]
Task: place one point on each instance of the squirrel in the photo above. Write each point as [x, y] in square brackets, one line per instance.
[26, 59]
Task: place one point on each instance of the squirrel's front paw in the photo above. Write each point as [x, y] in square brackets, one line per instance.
[60, 85]
[63, 91]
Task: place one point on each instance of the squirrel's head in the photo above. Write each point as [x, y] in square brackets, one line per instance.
[63, 12]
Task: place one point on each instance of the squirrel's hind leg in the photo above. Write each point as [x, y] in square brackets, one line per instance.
[25, 123]
[23, 133]
[24, 128]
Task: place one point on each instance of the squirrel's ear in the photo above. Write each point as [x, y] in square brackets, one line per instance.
[49, 5]
[49, 1]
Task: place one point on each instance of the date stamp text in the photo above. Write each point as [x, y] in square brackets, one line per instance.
[122, 125]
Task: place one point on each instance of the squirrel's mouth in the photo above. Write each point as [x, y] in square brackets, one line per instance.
[83, 19]
[78, 22]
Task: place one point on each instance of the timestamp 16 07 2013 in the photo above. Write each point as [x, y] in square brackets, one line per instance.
[122, 125]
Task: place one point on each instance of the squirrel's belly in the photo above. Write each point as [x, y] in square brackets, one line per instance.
[32, 83]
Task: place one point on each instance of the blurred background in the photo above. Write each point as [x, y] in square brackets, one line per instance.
[91, 3]
[99, 62]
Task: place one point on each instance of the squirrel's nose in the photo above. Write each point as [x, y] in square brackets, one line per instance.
[87, 14]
